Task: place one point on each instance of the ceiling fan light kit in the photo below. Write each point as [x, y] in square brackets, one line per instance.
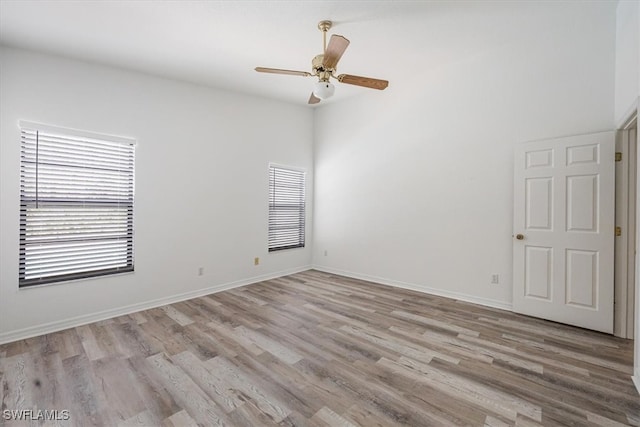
[323, 90]
[324, 66]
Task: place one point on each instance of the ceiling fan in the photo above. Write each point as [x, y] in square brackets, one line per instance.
[324, 65]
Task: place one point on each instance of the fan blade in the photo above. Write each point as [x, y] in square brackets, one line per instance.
[279, 71]
[313, 99]
[363, 81]
[337, 46]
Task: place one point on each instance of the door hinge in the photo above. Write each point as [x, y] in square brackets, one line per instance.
[618, 156]
[618, 231]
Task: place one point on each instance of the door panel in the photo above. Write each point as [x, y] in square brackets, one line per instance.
[582, 203]
[564, 208]
[539, 200]
[583, 154]
[540, 158]
[538, 275]
[582, 278]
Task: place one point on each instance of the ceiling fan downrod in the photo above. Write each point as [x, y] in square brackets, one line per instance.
[324, 26]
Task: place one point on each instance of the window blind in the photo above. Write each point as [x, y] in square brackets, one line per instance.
[76, 206]
[286, 208]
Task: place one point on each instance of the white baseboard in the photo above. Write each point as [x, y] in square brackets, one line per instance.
[419, 288]
[72, 322]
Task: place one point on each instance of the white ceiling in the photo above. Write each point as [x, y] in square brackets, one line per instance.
[218, 43]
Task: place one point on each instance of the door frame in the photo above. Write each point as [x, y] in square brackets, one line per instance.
[625, 243]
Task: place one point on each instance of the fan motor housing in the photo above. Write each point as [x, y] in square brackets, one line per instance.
[318, 68]
[316, 63]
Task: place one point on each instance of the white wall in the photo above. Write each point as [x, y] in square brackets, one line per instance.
[414, 184]
[627, 57]
[627, 98]
[201, 184]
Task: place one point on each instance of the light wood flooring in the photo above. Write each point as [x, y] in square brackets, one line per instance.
[314, 349]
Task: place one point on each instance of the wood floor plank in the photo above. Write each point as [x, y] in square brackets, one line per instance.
[191, 397]
[155, 396]
[295, 419]
[250, 415]
[503, 348]
[491, 421]
[131, 339]
[17, 393]
[286, 384]
[89, 343]
[239, 381]
[209, 380]
[180, 419]
[396, 345]
[585, 358]
[179, 317]
[362, 416]
[84, 396]
[435, 323]
[332, 419]
[116, 376]
[238, 341]
[504, 404]
[316, 349]
[142, 419]
[282, 352]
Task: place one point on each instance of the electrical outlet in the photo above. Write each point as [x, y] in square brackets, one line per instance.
[256, 261]
[495, 279]
[200, 271]
[325, 252]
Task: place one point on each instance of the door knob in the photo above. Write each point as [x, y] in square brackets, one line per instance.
[520, 236]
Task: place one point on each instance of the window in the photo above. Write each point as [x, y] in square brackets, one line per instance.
[76, 205]
[286, 208]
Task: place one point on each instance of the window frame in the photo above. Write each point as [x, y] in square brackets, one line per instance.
[125, 204]
[302, 218]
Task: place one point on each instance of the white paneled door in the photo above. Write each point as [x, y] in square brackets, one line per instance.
[563, 232]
